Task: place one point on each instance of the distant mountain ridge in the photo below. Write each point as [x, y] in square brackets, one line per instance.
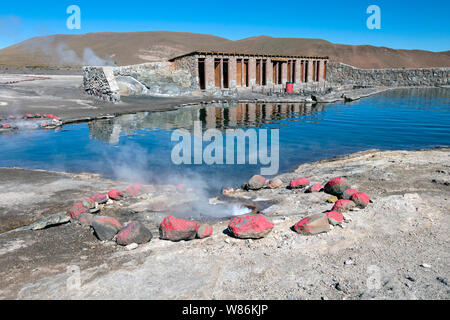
[138, 47]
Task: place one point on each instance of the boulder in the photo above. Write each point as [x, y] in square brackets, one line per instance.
[204, 231]
[99, 198]
[115, 194]
[335, 217]
[105, 228]
[175, 229]
[313, 224]
[256, 182]
[343, 205]
[134, 190]
[77, 210]
[361, 199]
[315, 188]
[134, 232]
[347, 194]
[250, 227]
[274, 183]
[299, 183]
[337, 186]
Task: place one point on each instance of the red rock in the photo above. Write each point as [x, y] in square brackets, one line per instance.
[361, 199]
[274, 183]
[99, 198]
[105, 227]
[204, 231]
[335, 217]
[175, 229]
[315, 188]
[337, 186]
[134, 232]
[77, 210]
[134, 190]
[347, 195]
[250, 227]
[6, 125]
[299, 183]
[313, 224]
[343, 205]
[115, 194]
[256, 182]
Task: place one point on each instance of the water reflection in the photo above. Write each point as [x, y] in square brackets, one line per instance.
[238, 115]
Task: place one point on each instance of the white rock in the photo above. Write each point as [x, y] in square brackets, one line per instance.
[425, 265]
[131, 246]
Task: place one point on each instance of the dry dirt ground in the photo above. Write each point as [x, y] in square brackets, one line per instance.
[396, 248]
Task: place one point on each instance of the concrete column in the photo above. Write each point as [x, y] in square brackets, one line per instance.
[297, 71]
[310, 70]
[251, 71]
[232, 72]
[283, 69]
[209, 73]
[269, 70]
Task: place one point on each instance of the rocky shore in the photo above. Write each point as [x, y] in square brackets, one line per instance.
[395, 247]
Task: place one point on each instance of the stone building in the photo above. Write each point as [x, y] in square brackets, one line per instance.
[224, 70]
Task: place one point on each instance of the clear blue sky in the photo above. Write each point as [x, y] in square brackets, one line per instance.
[404, 24]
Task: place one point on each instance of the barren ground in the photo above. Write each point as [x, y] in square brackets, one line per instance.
[399, 243]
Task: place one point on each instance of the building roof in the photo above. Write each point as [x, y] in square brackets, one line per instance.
[222, 53]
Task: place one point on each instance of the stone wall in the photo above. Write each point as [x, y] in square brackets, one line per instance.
[100, 82]
[345, 74]
[157, 78]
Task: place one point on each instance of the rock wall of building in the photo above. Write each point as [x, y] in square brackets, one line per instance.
[345, 74]
[100, 82]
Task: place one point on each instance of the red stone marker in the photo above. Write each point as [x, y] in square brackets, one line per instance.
[337, 186]
[299, 183]
[313, 224]
[274, 183]
[343, 205]
[256, 182]
[115, 194]
[99, 198]
[250, 227]
[204, 231]
[134, 232]
[315, 188]
[361, 199]
[175, 229]
[335, 218]
[347, 195]
[77, 210]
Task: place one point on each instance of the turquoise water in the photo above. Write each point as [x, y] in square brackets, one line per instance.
[139, 146]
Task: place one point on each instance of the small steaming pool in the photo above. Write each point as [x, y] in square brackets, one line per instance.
[138, 147]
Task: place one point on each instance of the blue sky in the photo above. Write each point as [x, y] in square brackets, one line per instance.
[404, 24]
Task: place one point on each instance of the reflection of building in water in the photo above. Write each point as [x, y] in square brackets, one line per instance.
[214, 116]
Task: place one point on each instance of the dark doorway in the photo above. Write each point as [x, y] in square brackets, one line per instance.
[258, 72]
[225, 73]
[294, 70]
[306, 70]
[201, 73]
[246, 72]
[264, 72]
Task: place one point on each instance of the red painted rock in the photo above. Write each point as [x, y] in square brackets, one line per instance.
[6, 126]
[315, 188]
[77, 210]
[115, 194]
[335, 217]
[99, 198]
[313, 224]
[347, 195]
[274, 183]
[134, 190]
[361, 199]
[105, 227]
[299, 183]
[89, 203]
[250, 227]
[134, 232]
[343, 205]
[337, 186]
[204, 231]
[175, 229]
[256, 182]
[86, 219]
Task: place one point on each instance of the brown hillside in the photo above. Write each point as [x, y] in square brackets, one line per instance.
[139, 47]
